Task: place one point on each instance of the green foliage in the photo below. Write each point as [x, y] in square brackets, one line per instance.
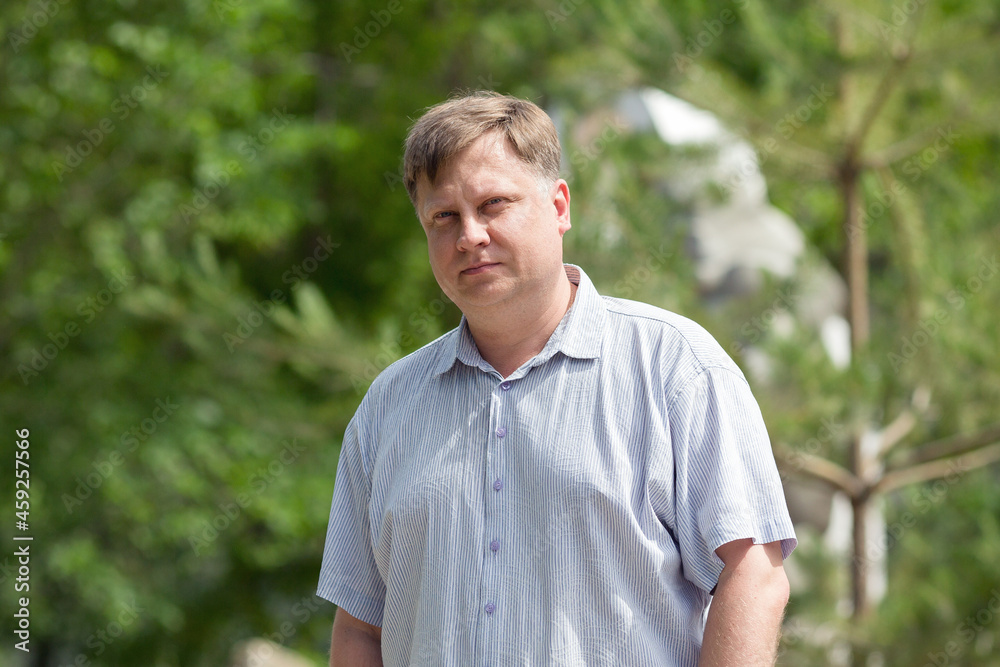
[206, 255]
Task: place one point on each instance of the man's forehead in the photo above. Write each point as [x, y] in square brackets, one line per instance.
[490, 150]
[486, 164]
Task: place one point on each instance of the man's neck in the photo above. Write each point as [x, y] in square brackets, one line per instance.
[507, 340]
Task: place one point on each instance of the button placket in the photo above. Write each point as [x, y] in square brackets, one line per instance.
[493, 520]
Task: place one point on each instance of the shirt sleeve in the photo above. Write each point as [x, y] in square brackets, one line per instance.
[726, 484]
[349, 576]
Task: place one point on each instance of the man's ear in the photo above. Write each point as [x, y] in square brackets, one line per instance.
[560, 200]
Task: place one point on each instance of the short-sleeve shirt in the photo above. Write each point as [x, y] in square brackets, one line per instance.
[565, 515]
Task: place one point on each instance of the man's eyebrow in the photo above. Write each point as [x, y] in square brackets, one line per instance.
[483, 191]
[431, 204]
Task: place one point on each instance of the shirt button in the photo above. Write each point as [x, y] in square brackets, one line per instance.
[497, 485]
[490, 607]
[495, 545]
[501, 432]
[505, 386]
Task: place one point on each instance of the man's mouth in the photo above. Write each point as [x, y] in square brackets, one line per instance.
[479, 268]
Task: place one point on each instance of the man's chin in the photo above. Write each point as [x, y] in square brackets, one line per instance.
[478, 297]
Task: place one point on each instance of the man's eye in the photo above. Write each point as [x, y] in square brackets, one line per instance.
[495, 200]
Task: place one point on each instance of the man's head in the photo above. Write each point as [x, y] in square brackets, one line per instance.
[483, 175]
[448, 128]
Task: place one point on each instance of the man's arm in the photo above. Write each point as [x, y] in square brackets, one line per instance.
[355, 643]
[744, 621]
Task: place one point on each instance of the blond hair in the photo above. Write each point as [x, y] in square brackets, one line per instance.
[450, 127]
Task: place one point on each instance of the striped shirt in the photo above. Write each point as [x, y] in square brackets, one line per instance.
[565, 515]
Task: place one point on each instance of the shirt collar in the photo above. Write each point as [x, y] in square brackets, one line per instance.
[578, 335]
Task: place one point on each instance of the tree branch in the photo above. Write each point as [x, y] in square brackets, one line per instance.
[794, 152]
[809, 465]
[899, 150]
[901, 426]
[898, 429]
[881, 96]
[954, 445]
[924, 472]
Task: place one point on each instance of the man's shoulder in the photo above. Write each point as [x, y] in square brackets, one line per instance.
[417, 366]
[628, 309]
[636, 314]
[677, 336]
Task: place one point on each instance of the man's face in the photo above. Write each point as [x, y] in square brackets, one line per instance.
[494, 230]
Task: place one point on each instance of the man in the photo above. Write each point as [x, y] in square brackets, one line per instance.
[562, 479]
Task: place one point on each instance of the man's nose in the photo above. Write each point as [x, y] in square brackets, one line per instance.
[474, 233]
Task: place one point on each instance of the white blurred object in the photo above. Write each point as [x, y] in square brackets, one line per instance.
[835, 332]
[258, 652]
[740, 235]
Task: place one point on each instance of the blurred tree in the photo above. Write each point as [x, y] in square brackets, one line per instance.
[876, 128]
[206, 255]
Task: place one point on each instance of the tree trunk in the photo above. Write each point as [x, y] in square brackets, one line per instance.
[859, 562]
[855, 256]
